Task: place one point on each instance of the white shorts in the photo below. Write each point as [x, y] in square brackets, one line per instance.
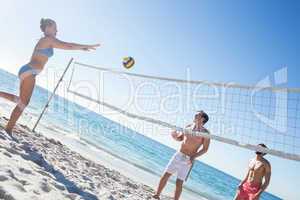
[180, 164]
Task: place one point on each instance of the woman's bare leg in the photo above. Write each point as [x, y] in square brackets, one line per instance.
[26, 88]
[10, 97]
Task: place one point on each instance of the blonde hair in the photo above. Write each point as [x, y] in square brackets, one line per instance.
[46, 22]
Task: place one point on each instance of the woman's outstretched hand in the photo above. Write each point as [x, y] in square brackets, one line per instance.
[90, 47]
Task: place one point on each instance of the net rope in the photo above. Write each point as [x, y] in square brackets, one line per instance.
[240, 115]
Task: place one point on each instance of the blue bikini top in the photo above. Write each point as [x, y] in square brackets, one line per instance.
[46, 52]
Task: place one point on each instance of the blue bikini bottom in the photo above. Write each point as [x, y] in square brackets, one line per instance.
[28, 68]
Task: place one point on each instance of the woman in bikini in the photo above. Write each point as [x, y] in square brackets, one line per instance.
[27, 73]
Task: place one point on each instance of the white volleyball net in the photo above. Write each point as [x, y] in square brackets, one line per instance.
[240, 115]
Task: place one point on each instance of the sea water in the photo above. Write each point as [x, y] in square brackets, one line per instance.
[123, 143]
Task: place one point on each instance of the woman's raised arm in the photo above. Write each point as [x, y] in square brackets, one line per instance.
[58, 44]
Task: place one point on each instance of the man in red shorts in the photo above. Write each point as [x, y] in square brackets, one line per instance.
[257, 178]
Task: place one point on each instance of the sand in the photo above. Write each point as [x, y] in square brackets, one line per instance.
[35, 167]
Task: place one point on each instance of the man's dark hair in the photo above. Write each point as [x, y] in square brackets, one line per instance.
[263, 145]
[261, 153]
[204, 115]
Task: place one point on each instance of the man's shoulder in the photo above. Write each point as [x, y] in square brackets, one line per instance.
[205, 130]
[266, 163]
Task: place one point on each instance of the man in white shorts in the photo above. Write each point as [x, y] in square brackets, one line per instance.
[182, 161]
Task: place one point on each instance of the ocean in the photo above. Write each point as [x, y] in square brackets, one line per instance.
[123, 143]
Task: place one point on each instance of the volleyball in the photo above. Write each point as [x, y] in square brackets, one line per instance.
[128, 62]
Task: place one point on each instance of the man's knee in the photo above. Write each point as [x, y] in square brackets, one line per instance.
[167, 175]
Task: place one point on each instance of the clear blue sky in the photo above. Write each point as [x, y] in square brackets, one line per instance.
[239, 41]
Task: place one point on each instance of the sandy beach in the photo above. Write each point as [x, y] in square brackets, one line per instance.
[36, 167]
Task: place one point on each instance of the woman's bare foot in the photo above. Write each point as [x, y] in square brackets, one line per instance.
[10, 134]
[156, 196]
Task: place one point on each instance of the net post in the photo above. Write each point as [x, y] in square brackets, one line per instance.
[53, 93]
